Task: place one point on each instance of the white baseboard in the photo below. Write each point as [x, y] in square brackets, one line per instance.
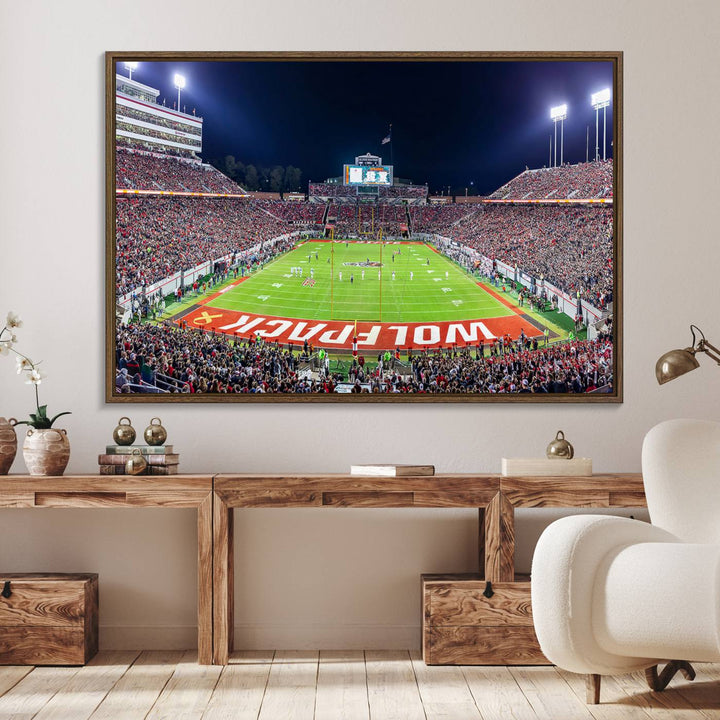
[265, 637]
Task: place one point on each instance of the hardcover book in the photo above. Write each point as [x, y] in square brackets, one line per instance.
[144, 449]
[546, 467]
[392, 470]
[112, 470]
[172, 459]
[150, 470]
[162, 470]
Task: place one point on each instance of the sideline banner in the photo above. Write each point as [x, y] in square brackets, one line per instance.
[371, 336]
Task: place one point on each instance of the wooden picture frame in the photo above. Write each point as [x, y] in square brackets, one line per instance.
[508, 274]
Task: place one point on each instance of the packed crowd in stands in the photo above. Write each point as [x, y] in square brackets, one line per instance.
[192, 361]
[584, 180]
[199, 362]
[159, 134]
[412, 193]
[123, 111]
[571, 247]
[331, 190]
[337, 190]
[144, 146]
[157, 236]
[141, 171]
[437, 218]
[569, 367]
[298, 212]
[404, 191]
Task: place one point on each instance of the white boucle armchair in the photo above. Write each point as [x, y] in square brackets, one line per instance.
[613, 595]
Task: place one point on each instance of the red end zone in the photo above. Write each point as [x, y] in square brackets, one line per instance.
[372, 336]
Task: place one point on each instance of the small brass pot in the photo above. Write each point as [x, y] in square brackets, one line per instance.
[124, 433]
[155, 433]
[136, 463]
[560, 448]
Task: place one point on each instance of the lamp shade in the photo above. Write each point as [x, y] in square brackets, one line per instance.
[675, 363]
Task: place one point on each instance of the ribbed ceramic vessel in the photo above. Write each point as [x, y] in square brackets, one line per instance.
[8, 445]
[47, 451]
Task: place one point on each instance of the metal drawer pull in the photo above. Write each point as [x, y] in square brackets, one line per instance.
[488, 592]
[6, 592]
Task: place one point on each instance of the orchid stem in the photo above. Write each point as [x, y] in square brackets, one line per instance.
[29, 361]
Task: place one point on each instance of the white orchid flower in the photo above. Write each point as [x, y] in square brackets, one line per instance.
[35, 377]
[23, 364]
[29, 371]
[13, 320]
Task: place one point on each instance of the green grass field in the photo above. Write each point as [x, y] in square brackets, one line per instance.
[437, 291]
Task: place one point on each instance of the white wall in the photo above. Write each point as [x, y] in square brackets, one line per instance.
[331, 578]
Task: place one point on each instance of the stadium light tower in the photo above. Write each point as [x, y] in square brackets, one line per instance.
[130, 67]
[559, 113]
[179, 81]
[600, 101]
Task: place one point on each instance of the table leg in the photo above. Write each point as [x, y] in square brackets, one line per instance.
[481, 542]
[500, 540]
[205, 579]
[223, 581]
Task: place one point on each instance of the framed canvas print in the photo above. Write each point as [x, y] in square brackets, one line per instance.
[364, 227]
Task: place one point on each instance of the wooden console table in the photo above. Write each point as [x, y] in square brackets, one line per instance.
[215, 498]
[495, 497]
[125, 491]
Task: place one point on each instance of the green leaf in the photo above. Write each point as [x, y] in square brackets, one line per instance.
[42, 411]
[67, 412]
[39, 424]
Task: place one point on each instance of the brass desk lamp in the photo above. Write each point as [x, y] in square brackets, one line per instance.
[677, 362]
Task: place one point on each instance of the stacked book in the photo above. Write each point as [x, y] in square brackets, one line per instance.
[160, 459]
[547, 467]
[392, 470]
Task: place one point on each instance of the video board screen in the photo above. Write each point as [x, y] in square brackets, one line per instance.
[365, 175]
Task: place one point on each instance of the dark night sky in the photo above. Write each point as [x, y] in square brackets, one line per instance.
[452, 122]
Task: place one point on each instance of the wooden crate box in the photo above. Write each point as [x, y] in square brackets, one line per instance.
[461, 626]
[48, 618]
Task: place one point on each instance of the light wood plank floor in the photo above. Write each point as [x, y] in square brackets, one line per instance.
[350, 685]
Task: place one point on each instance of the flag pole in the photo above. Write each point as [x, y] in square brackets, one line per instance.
[391, 146]
[332, 270]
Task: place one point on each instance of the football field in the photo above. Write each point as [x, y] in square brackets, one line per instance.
[364, 282]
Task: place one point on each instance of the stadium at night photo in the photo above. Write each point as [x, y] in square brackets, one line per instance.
[364, 227]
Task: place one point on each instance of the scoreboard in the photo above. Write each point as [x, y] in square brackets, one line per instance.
[367, 175]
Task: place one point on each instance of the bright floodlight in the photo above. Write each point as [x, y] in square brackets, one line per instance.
[179, 81]
[600, 99]
[131, 65]
[559, 112]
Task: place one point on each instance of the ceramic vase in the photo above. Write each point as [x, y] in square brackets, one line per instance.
[47, 451]
[8, 445]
